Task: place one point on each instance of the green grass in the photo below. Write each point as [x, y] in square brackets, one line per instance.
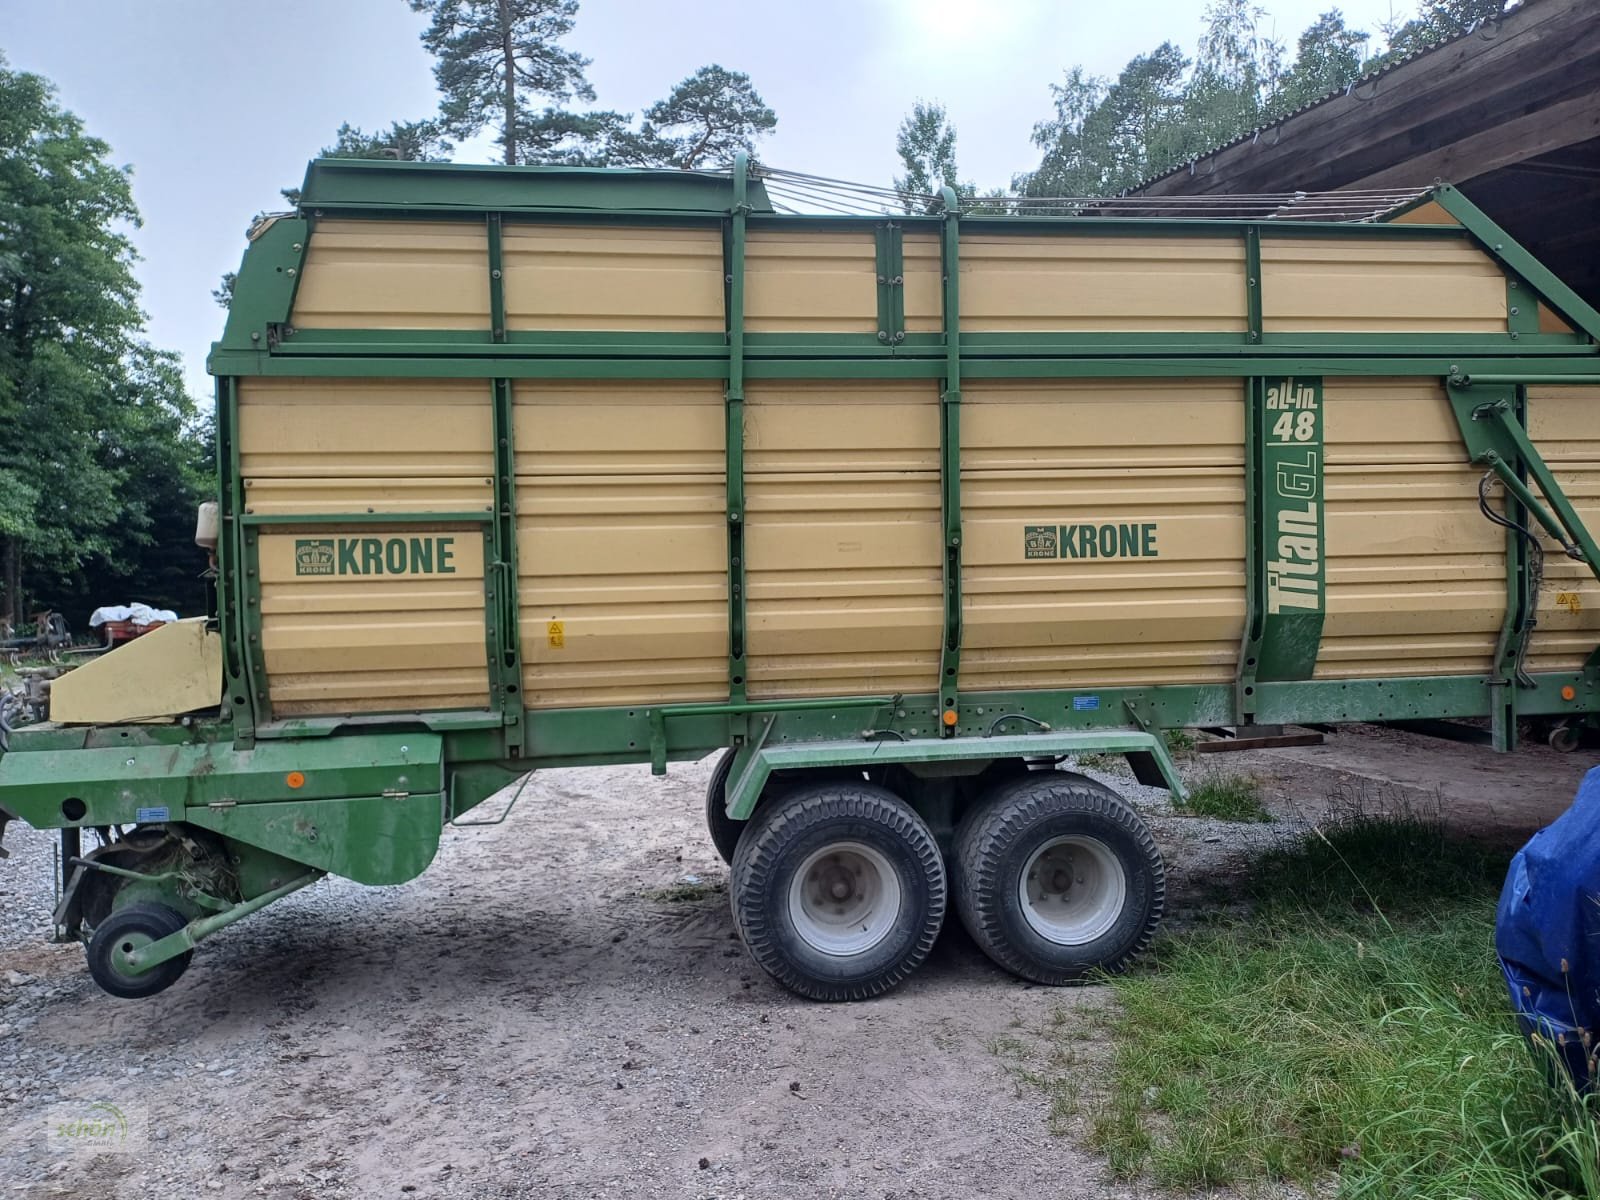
[1355, 1027]
[684, 893]
[1226, 797]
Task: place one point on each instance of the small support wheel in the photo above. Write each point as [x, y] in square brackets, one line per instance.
[1056, 877]
[125, 931]
[1564, 738]
[838, 890]
[724, 830]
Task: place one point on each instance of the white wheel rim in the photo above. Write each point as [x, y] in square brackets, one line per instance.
[844, 899]
[1072, 890]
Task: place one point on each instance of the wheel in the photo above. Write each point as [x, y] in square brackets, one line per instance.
[1056, 877]
[724, 829]
[838, 890]
[1564, 738]
[129, 929]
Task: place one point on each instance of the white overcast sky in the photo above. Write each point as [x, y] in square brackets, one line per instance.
[216, 104]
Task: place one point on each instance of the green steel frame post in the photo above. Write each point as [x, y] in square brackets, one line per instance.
[239, 650]
[734, 279]
[497, 283]
[503, 577]
[950, 460]
[890, 262]
[1252, 282]
[1517, 627]
[1244, 690]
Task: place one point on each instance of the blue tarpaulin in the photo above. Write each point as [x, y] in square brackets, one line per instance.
[1547, 931]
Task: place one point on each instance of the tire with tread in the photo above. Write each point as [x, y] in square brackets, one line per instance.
[779, 840]
[128, 927]
[994, 843]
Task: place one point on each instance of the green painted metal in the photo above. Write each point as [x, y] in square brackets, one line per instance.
[1252, 283]
[950, 455]
[154, 784]
[159, 951]
[1494, 436]
[1255, 583]
[1292, 503]
[744, 788]
[373, 839]
[889, 238]
[734, 428]
[353, 185]
[462, 517]
[502, 574]
[497, 281]
[1523, 265]
[1516, 626]
[264, 290]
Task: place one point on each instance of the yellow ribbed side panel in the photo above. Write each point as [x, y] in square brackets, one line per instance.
[622, 541]
[363, 619]
[843, 533]
[369, 618]
[395, 275]
[612, 277]
[1385, 285]
[1158, 462]
[1075, 284]
[1564, 423]
[1415, 573]
[804, 281]
[310, 445]
[924, 282]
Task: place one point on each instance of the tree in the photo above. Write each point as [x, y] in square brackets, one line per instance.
[403, 141]
[926, 145]
[1071, 164]
[492, 56]
[1159, 113]
[1235, 74]
[68, 315]
[705, 120]
[1330, 56]
[1439, 21]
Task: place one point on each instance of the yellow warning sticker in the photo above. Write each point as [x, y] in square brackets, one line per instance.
[1570, 602]
[556, 632]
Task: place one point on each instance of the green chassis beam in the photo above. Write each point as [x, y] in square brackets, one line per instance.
[748, 778]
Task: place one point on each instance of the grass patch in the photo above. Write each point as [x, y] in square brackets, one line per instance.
[1355, 1026]
[1181, 743]
[683, 893]
[1226, 797]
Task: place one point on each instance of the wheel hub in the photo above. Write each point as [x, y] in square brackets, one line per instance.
[1072, 890]
[844, 899]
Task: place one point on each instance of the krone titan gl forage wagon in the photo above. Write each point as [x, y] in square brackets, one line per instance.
[529, 467]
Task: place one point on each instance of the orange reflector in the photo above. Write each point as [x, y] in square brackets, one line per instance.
[295, 779]
[950, 717]
[1569, 692]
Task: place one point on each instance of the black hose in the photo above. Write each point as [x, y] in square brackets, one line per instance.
[1535, 573]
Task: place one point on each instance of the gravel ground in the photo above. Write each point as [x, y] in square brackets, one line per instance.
[533, 1018]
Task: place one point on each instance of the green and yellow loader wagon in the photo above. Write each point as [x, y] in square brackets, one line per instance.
[537, 467]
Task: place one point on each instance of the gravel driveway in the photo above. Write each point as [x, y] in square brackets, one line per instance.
[551, 1010]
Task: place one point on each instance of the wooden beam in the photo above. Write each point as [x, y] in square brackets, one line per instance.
[1566, 124]
[1547, 50]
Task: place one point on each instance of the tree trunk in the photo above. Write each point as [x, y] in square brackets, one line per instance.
[11, 584]
[508, 54]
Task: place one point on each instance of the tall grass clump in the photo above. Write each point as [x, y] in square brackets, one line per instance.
[1354, 1027]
